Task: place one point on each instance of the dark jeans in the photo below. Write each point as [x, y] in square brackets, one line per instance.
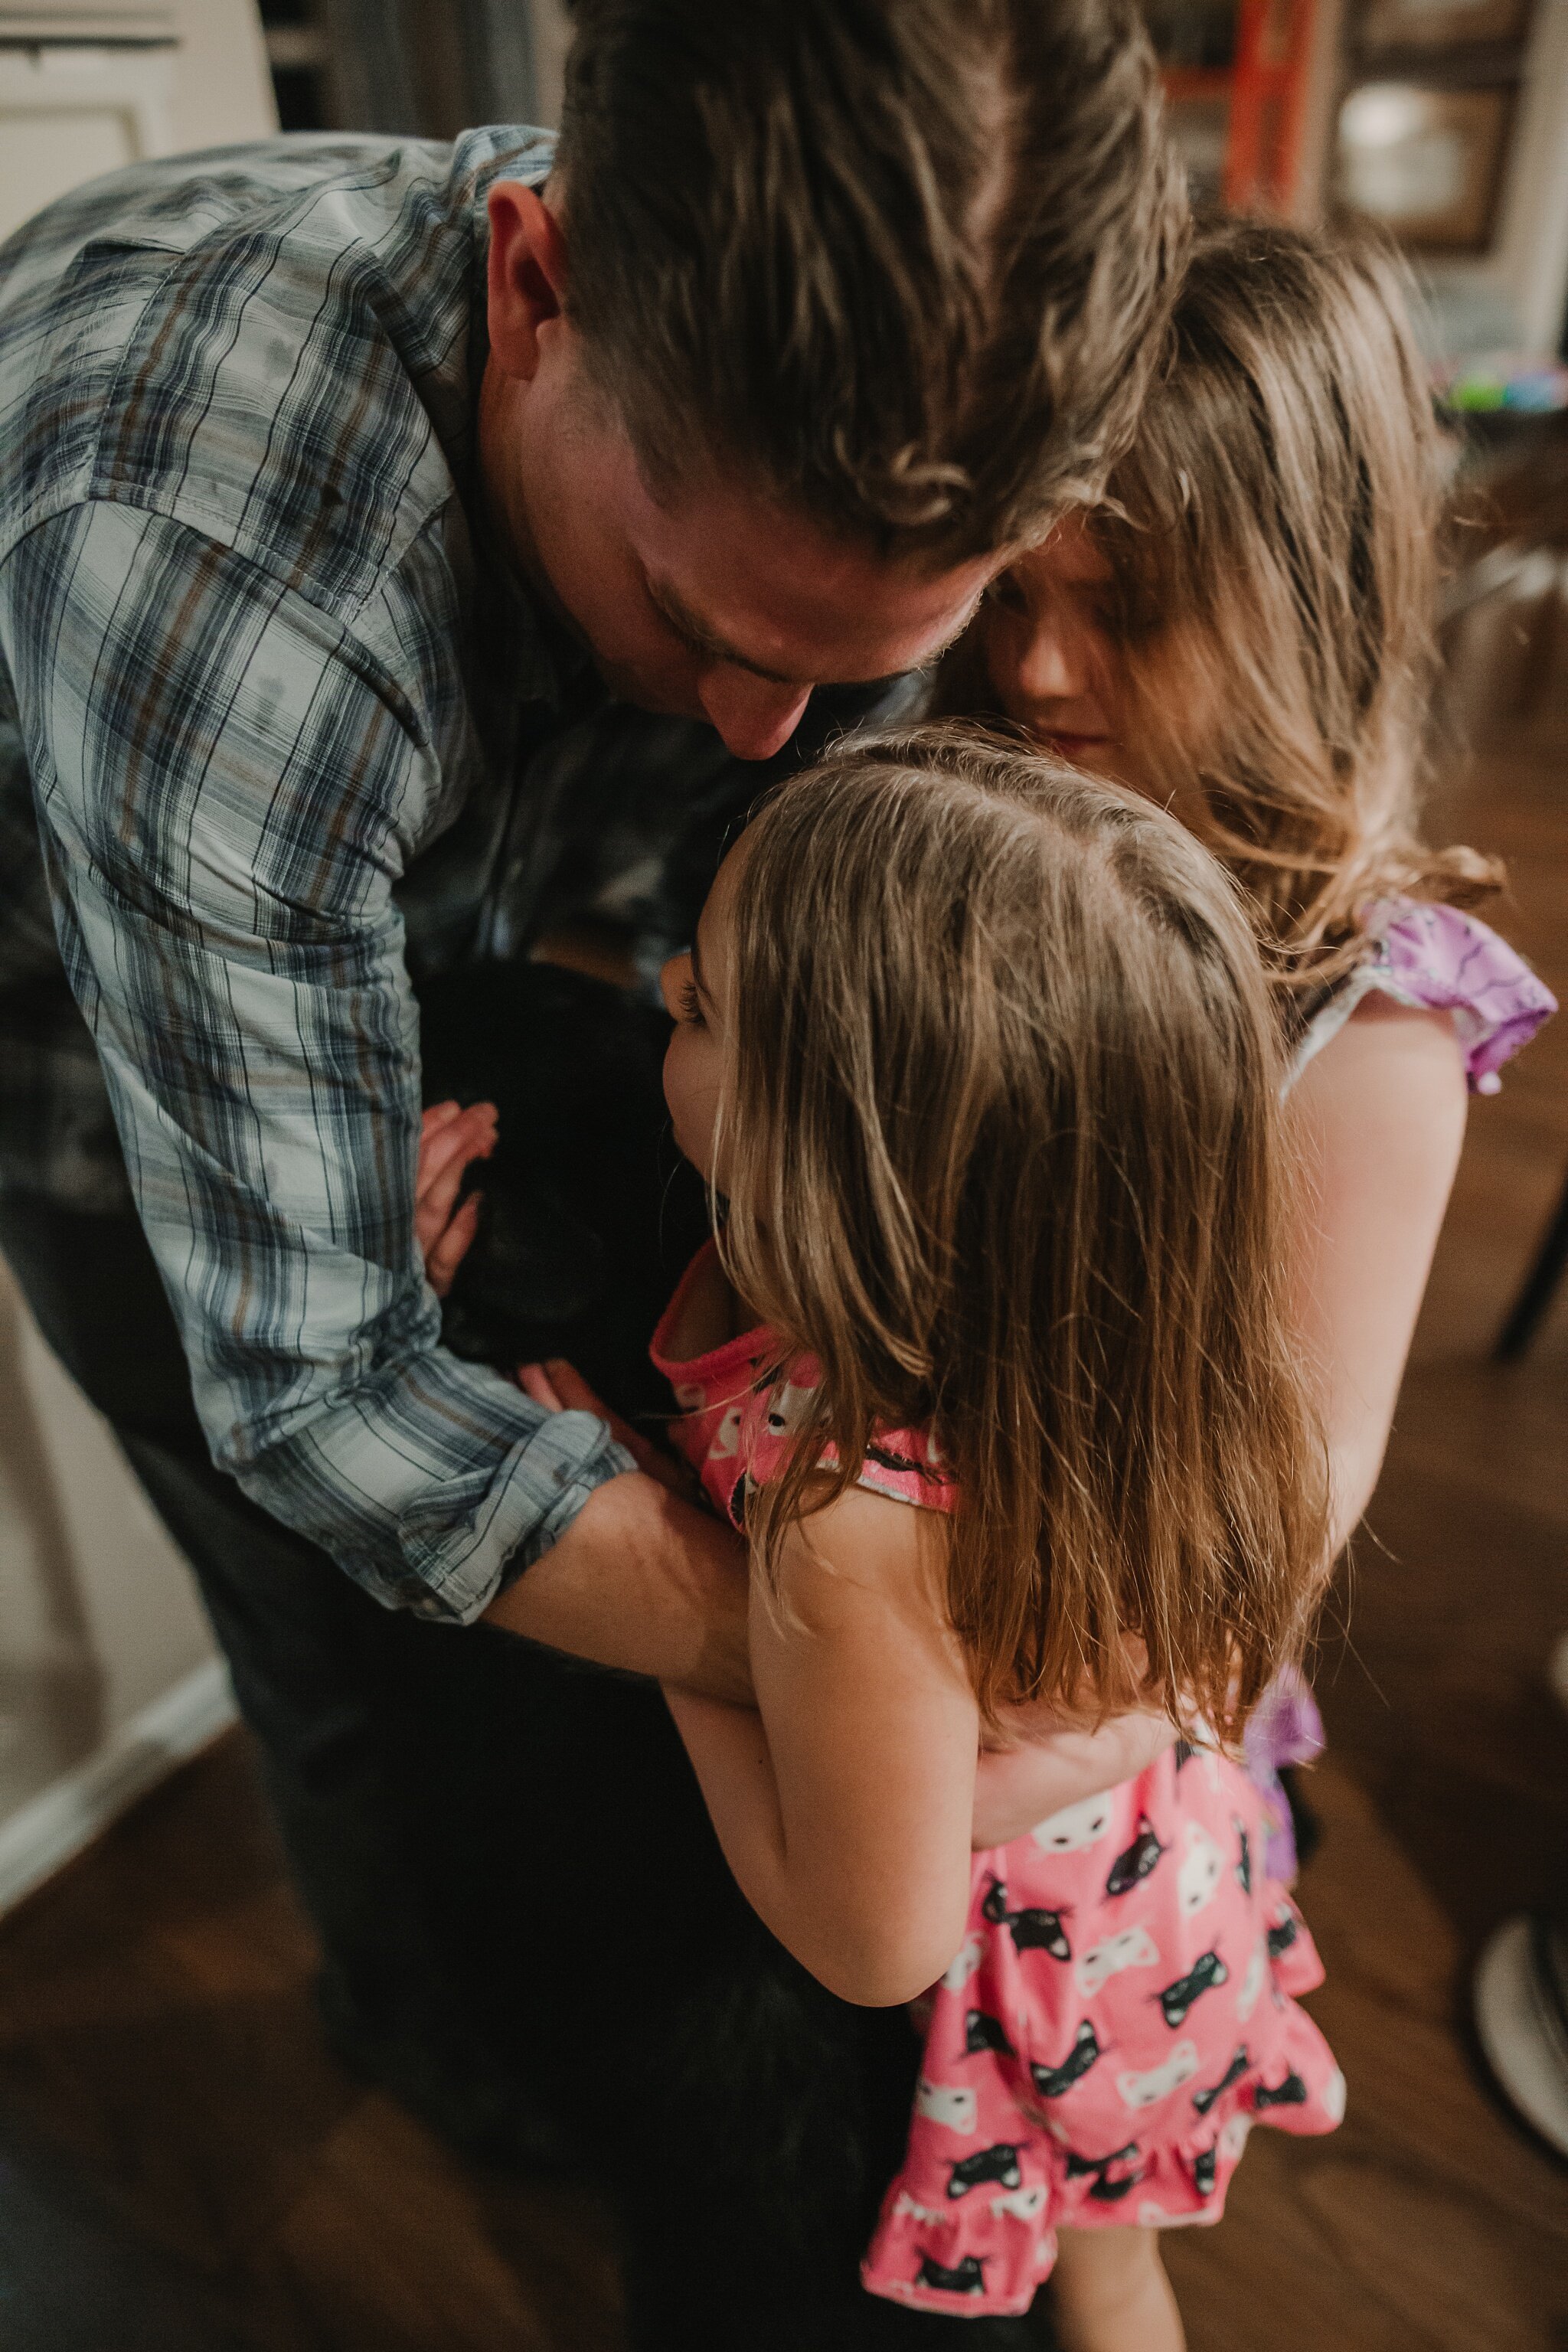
[525, 1919]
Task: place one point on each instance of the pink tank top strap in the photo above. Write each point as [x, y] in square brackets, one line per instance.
[742, 1406]
[906, 1464]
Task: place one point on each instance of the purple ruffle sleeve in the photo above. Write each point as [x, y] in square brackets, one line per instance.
[1437, 960]
[1284, 1729]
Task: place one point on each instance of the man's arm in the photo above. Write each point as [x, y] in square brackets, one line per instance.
[228, 791]
[645, 1582]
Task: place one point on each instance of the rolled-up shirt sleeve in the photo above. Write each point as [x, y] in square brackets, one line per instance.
[228, 787]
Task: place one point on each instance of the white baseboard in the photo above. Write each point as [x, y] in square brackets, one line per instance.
[55, 1825]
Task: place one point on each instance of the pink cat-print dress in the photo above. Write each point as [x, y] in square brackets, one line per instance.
[1122, 2008]
[1121, 2012]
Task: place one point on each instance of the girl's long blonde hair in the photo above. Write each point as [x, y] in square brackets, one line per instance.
[1273, 536]
[1002, 1139]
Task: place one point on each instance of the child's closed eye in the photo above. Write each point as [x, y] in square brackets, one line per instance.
[689, 1003]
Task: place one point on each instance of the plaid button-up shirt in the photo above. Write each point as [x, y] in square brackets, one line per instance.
[275, 720]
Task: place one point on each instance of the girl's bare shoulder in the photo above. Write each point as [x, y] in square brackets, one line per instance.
[865, 1548]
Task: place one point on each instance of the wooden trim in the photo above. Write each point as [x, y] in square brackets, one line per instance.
[136, 28]
[52, 1828]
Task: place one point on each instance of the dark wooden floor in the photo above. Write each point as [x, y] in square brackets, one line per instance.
[177, 2140]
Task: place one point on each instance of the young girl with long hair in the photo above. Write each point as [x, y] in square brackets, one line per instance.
[1242, 629]
[988, 1362]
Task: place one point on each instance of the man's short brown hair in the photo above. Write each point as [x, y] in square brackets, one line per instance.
[905, 261]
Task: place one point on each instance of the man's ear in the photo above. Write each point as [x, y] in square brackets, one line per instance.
[527, 275]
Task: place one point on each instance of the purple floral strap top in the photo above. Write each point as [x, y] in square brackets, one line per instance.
[1436, 960]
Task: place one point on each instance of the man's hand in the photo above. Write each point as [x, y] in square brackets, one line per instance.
[558, 1387]
[642, 1578]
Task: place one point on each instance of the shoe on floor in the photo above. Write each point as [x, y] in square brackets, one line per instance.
[1557, 1671]
[1521, 2017]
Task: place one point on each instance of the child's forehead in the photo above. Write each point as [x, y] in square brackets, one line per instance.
[716, 920]
[1072, 553]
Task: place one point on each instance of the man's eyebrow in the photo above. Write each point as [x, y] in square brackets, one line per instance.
[703, 639]
[706, 640]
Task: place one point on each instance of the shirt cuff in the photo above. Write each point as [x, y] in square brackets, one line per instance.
[548, 1480]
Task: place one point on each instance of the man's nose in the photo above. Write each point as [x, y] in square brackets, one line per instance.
[754, 717]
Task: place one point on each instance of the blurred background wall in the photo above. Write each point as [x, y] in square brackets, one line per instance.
[107, 1671]
[83, 90]
[1446, 120]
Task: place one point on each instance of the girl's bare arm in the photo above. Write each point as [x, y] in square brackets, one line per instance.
[1379, 1117]
[844, 1805]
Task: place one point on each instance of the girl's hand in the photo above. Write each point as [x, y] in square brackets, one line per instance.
[451, 1139]
[558, 1387]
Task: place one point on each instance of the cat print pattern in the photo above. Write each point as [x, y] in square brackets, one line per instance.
[1123, 2008]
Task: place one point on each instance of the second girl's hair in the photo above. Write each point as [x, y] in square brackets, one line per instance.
[1003, 1152]
[1278, 513]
